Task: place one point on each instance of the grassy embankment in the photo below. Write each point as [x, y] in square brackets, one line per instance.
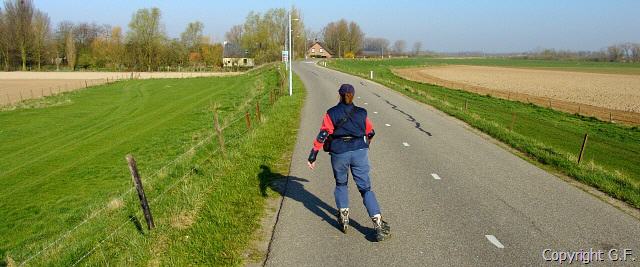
[611, 161]
[65, 188]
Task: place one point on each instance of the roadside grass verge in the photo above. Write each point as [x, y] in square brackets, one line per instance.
[611, 162]
[77, 206]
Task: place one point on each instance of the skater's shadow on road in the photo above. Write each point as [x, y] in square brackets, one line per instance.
[293, 188]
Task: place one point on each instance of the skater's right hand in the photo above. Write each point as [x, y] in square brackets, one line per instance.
[312, 165]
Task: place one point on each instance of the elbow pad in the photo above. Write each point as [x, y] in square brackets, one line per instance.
[312, 155]
[322, 136]
[371, 134]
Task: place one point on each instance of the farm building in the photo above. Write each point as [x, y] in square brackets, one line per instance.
[234, 56]
[318, 49]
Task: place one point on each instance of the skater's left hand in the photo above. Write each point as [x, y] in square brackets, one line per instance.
[312, 165]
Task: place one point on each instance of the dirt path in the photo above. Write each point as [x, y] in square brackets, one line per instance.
[606, 96]
[18, 86]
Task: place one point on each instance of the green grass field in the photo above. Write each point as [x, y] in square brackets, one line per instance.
[65, 188]
[612, 158]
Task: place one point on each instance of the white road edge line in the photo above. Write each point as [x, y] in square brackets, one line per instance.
[386, 124]
[405, 144]
[494, 241]
[375, 112]
[435, 176]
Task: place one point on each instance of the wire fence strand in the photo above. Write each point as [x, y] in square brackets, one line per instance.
[153, 175]
[156, 199]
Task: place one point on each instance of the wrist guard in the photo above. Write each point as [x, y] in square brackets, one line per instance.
[371, 134]
[312, 155]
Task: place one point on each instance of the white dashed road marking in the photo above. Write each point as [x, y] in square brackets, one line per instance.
[358, 97]
[435, 176]
[494, 241]
[386, 124]
[405, 144]
[366, 103]
[375, 112]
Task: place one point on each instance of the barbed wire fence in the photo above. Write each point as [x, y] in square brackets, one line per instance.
[274, 94]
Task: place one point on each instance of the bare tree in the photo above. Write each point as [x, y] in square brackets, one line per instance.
[41, 32]
[635, 52]
[417, 46]
[192, 35]
[70, 50]
[377, 44]
[60, 35]
[4, 40]
[343, 37]
[614, 52]
[399, 46]
[19, 16]
[234, 35]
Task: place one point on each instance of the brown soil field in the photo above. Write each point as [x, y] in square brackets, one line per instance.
[610, 97]
[18, 86]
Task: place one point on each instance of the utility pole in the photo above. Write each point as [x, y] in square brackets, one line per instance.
[290, 58]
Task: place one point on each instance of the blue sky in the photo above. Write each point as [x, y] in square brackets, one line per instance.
[446, 26]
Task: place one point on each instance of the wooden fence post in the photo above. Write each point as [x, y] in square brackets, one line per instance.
[41, 92]
[50, 93]
[610, 117]
[85, 84]
[143, 199]
[513, 121]
[31, 93]
[216, 125]
[248, 119]
[584, 144]
[271, 97]
[258, 117]
[21, 98]
[466, 107]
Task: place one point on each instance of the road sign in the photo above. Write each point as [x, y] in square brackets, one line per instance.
[285, 56]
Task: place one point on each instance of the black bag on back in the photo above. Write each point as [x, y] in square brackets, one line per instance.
[327, 143]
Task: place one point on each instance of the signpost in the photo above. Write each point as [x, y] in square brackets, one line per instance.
[285, 56]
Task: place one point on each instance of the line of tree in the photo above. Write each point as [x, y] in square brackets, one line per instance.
[381, 46]
[28, 42]
[625, 52]
[264, 35]
[344, 38]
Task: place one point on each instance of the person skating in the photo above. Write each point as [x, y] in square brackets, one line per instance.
[346, 133]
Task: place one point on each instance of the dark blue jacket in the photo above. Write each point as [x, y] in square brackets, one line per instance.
[355, 127]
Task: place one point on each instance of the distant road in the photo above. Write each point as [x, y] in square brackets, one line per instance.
[452, 197]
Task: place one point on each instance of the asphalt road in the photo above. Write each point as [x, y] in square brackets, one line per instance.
[451, 196]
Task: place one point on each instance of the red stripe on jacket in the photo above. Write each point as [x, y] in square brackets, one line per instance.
[327, 125]
[368, 126]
